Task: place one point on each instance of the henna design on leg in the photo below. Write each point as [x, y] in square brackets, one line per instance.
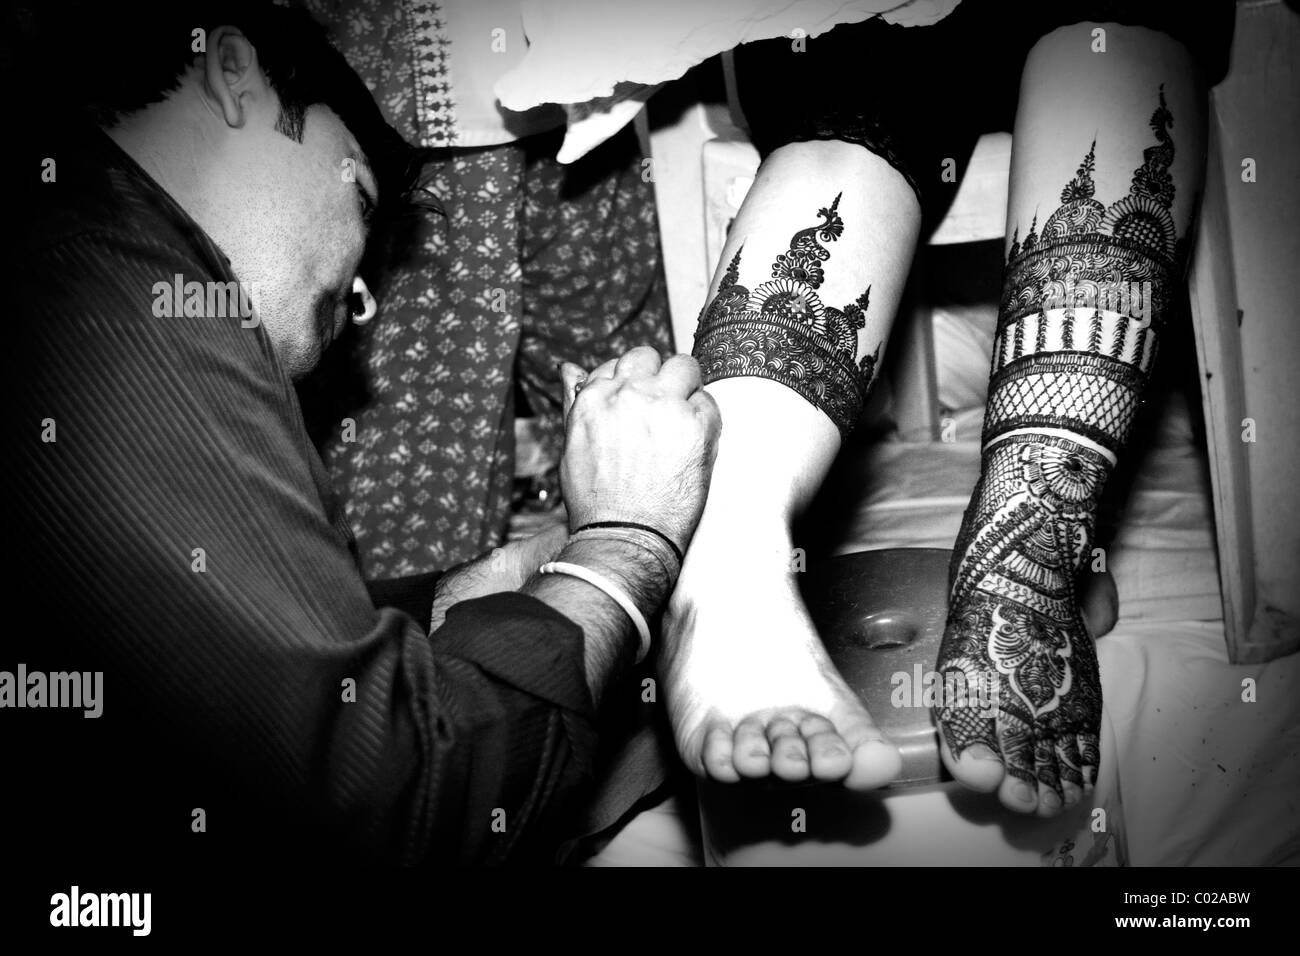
[1083, 305]
[781, 330]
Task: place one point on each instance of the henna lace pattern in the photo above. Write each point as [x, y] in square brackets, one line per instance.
[782, 331]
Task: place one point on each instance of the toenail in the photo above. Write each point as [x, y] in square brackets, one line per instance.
[1022, 791]
[1050, 799]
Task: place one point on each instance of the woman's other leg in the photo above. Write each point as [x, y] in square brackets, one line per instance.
[1106, 169]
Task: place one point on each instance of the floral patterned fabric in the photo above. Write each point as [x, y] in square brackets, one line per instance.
[534, 263]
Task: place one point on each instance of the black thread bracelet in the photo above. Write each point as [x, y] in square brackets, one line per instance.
[639, 527]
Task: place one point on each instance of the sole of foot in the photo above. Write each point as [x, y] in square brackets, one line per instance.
[753, 695]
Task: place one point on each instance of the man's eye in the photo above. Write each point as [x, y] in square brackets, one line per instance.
[367, 206]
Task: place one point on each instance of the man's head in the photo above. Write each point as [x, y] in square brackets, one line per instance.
[261, 132]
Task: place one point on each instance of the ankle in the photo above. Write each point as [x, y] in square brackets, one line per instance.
[739, 515]
[754, 544]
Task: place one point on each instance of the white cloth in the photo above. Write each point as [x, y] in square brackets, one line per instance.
[486, 41]
[592, 55]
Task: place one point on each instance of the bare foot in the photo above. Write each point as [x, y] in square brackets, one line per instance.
[751, 691]
[1014, 624]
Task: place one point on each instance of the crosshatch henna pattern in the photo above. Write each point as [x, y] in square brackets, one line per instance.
[1083, 303]
[782, 331]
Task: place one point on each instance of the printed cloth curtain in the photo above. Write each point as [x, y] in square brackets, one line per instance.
[533, 263]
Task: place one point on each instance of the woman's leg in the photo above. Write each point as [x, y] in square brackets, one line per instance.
[808, 285]
[1106, 169]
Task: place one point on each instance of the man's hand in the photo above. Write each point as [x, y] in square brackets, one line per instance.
[502, 569]
[641, 440]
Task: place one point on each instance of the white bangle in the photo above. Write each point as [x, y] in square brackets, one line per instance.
[615, 593]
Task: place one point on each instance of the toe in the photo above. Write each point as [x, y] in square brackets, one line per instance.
[789, 752]
[876, 761]
[1072, 794]
[716, 753]
[1050, 796]
[829, 757]
[751, 753]
[1050, 802]
[1018, 793]
[1089, 759]
[968, 748]
[979, 767]
[1067, 760]
[1019, 788]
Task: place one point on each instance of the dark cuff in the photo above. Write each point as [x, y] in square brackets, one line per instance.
[412, 594]
[833, 91]
[523, 642]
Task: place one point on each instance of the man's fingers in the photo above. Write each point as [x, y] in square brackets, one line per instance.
[571, 377]
[640, 362]
[707, 409]
[604, 370]
[678, 377]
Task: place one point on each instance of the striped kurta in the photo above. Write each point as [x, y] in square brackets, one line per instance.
[176, 532]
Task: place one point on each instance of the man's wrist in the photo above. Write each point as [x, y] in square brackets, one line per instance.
[634, 569]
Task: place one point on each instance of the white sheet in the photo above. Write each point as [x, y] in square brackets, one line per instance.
[594, 57]
[1207, 779]
[1162, 556]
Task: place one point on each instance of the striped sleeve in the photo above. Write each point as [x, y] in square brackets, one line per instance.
[177, 537]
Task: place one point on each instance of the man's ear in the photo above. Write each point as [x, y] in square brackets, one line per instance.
[231, 75]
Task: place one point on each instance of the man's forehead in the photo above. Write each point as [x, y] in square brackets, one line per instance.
[354, 156]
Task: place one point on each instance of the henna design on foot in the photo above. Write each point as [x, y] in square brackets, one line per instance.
[1083, 304]
[1014, 611]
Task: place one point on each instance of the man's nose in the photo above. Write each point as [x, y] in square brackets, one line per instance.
[368, 305]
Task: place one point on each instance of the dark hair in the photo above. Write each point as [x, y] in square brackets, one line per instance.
[112, 63]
